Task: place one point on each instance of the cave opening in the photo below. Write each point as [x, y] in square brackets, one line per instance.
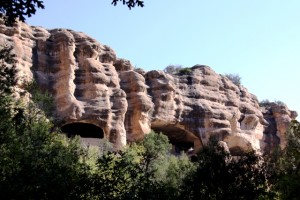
[90, 134]
[181, 140]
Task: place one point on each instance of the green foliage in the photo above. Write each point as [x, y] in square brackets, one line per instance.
[289, 164]
[35, 162]
[43, 100]
[235, 78]
[156, 146]
[171, 173]
[163, 173]
[105, 146]
[265, 103]
[220, 176]
[117, 175]
[7, 69]
[173, 69]
[11, 9]
[185, 70]
[129, 3]
[144, 170]
[281, 103]
[38, 163]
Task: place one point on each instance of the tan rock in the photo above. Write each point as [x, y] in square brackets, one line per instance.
[80, 74]
[140, 106]
[201, 104]
[279, 118]
[99, 95]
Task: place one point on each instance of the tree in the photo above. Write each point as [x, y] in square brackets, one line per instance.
[7, 69]
[129, 3]
[35, 162]
[144, 170]
[18, 9]
[221, 176]
[170, 175]
[11, 10]
[163, 173]
[118, 175]
[235, 78]
[42, 99]
[173, 69]
[130, 173]
[289, 164]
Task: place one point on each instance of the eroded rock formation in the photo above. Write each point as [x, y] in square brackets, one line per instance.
[90, 85]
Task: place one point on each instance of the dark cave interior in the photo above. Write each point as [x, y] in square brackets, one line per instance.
[85, 130]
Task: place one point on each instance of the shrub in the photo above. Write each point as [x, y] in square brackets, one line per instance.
[288, 165]
[280, 103]
[264, 103]
[7, 69]
[173, 69]
[185, 70]
[220, 176]
[235, 78]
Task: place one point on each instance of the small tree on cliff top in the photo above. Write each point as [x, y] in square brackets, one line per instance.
[235, 78]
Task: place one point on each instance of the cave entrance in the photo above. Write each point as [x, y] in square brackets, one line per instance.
[181, 140]
[90, 134]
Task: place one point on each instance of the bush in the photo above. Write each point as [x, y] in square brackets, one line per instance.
[288, 164]
[280, 103]
[235, 78]
[264, 103]
[220, 176]
[173, 69]
[7, 69]
[186, 70]
[35, 162]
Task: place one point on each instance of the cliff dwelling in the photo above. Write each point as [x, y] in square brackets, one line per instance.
[90, 134]
[96, 85]
[180, 139]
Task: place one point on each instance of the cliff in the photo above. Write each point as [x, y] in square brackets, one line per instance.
[98, 95]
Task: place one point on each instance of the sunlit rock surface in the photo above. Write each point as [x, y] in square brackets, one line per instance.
[98, 95]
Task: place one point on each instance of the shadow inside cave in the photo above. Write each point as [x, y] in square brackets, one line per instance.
[181, 140]
[90, 134]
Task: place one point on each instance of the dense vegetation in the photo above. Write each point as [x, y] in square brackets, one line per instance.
[38, 162]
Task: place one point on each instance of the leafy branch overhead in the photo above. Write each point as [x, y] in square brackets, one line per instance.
[11, 10]
[129, 3]
[18, 9]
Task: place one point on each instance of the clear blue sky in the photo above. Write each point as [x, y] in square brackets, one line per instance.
[257, 39]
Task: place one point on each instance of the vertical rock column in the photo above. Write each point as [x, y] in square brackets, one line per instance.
[137, 122]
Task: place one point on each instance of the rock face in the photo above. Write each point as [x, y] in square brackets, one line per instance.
[99, 95]
[80, 74]
[279, 118]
